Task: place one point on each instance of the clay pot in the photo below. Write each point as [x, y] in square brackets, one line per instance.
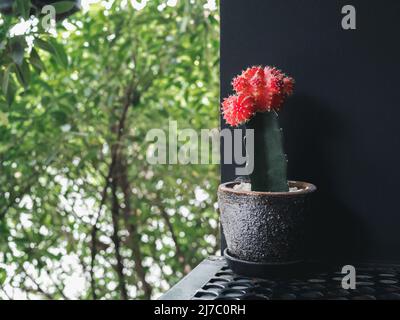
[266, 227]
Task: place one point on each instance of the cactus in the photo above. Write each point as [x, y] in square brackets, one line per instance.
[260, 93]
[270, 162]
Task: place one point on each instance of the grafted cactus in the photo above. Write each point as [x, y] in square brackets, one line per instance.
[260, 93]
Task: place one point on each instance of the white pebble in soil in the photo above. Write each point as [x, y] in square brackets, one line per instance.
[245, 186]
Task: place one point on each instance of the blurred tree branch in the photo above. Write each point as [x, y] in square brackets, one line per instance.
[129, 217]
[116, 240]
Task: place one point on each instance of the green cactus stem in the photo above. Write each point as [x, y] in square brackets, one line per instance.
[270, 163]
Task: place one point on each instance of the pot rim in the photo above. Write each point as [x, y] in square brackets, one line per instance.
[305, 188]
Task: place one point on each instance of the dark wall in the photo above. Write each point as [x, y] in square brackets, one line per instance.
[342, 125]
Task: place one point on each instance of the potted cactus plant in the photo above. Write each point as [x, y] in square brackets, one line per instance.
[263, 220]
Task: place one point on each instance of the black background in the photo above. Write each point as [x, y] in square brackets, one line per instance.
[342, 125]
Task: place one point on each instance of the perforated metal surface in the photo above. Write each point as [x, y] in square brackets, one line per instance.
[372, 282]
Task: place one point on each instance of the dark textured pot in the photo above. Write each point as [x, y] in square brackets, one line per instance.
[266, 227]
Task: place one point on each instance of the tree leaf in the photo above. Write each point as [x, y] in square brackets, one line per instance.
[63, 6]
[3, 276]
[35, 60]
[23, 74]
[3, 121]
[11, 91]
[55, 49]
[60, 53]
[24, 8]
[5, 80]
[17, 51]
[60, 117]
[44, 45]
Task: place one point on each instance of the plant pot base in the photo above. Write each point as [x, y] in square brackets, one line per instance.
[266, 270]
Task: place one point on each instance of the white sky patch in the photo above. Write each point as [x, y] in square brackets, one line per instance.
[154, 274]
[107, 4]
[25, 220]
[138, 4]
[68, 25]
[211, 240]
[211, 5]
[184, 211]
[75, 282]
[168, 241]
[200, 194]
[44, 231]
[172, 3]
[167, 270]
[213, 223]
[26, 202]
[161, 7]
[66, 127]
[85, 4]
[20, 28]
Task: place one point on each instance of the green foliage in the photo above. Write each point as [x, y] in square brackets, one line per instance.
[23, 8]
[63, 6]
[59, 114]
[270, 163]
[17, 58]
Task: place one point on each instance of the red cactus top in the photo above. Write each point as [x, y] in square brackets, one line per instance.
[258, 89]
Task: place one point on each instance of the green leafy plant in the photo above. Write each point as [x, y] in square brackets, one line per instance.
[82, 214]
[18, 59]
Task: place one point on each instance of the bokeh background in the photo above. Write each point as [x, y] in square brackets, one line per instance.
[82, 213]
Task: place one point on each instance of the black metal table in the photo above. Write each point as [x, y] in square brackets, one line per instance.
[213, 280]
